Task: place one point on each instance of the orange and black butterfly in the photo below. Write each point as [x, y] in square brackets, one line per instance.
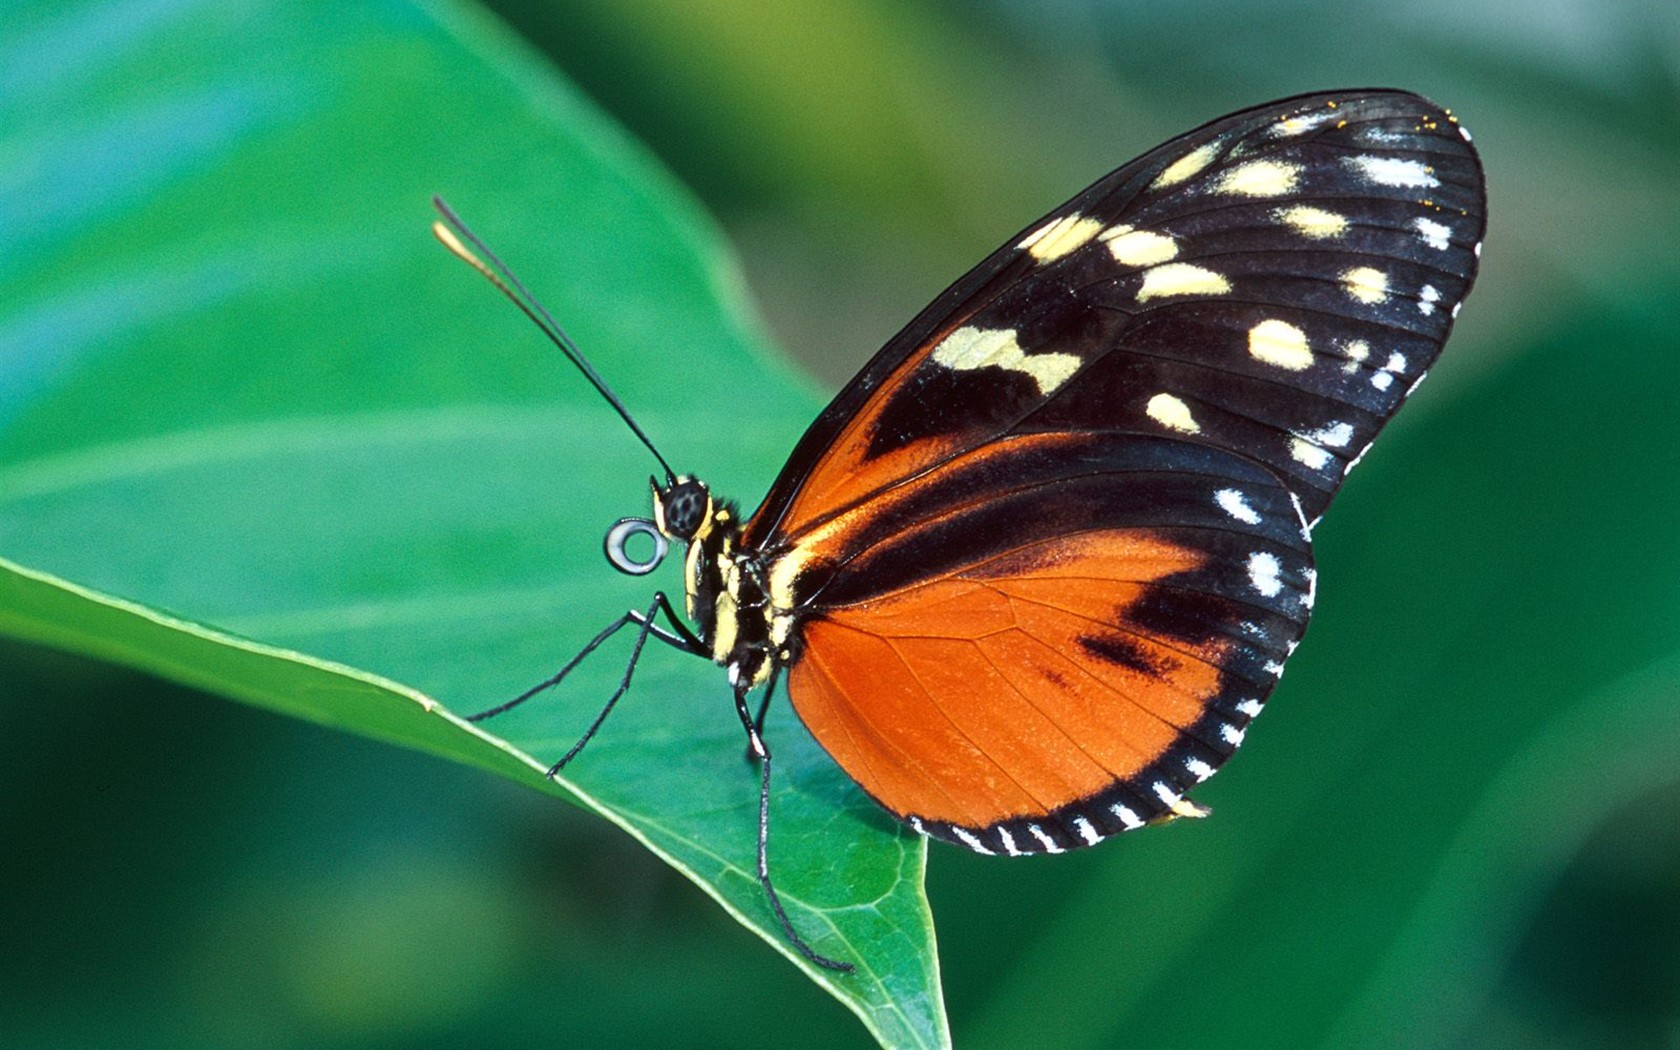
[1033, 572]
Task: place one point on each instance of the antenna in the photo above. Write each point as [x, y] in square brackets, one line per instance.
[497, 273]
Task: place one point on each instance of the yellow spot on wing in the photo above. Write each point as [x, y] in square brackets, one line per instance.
[1181, 279]
[1186, 166]
[1259, 178]
[783, 571]
[1172, 413]
[1366, 284]
[1059, 237]
[1357, 350]
[970, 347]
[1280, 343]
[1309, 454]
[1298, 125]
[1138, 247]
[1316, 223]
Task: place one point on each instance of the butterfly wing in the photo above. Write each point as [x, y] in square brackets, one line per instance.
[1022, 652]
[1046, 554]
[1273, 283]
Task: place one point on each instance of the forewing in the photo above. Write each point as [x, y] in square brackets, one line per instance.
[1272, 284]
[1051, 639]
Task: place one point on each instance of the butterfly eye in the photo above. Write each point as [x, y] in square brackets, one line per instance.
[619, 538]
[684, 507]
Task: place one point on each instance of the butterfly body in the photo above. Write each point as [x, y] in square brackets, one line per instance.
[725, 593]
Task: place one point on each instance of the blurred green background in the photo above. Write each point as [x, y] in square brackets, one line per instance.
[1458, 825]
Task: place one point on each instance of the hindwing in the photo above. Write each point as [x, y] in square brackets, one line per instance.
[1056, 657]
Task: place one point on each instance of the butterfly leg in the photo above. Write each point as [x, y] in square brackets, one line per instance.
[678, 636]
[763, 709]
[756, 571]
[759, 750]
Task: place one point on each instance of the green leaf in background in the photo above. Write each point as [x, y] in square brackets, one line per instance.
[242, 385]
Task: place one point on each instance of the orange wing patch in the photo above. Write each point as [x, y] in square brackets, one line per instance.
[1010, 689]
[847, 472]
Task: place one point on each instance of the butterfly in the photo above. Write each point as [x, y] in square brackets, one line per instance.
[1034, 571]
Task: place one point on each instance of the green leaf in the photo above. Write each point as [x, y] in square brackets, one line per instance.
[238, 382]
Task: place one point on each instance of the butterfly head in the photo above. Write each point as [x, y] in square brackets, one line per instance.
[682, 509]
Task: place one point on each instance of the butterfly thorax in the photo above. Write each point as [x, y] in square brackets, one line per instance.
[726, 595]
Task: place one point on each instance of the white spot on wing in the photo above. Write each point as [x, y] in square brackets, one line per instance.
[1172, 413]
[1382, 136]
[970, 348]
[1232, 502]
[1435, 234]
[1181, 279]
[1045, 840]
[1393, 171]
[1198, 769]
[1428, 296]
[1009, 846]
[1231, 734]
[1086, 831]
[1280, 343]
[1165, 793]
[1263, 570]
[1336, 435]
[1301, 516]
[1125, 816]
[1251, 708]
[971, 841]
[1382, 380]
